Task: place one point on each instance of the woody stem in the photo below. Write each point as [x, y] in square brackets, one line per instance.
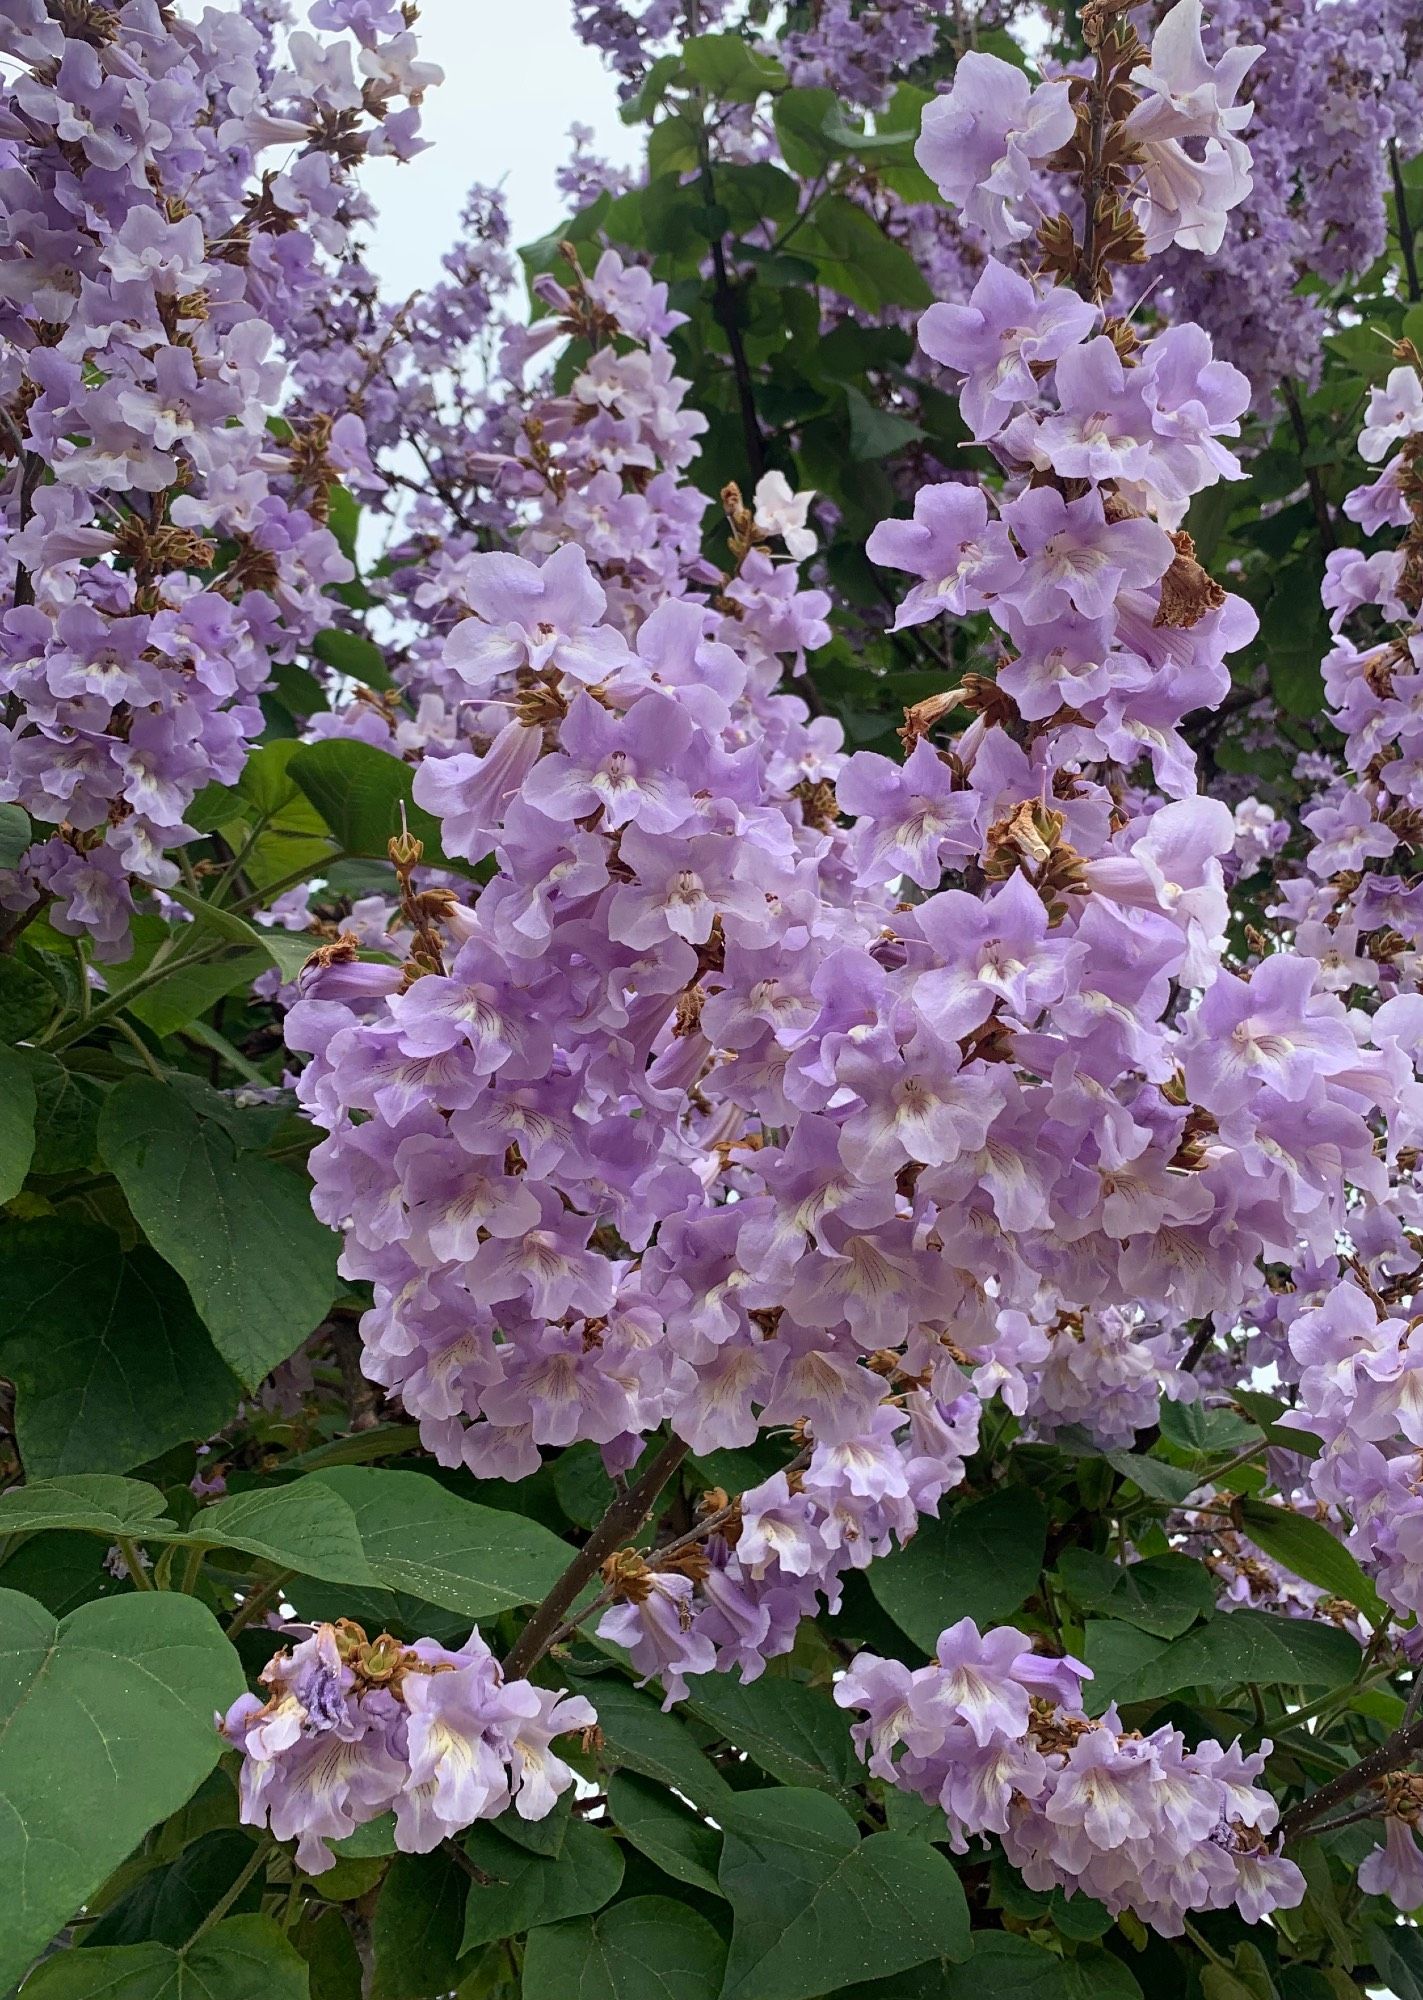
[618, 1525]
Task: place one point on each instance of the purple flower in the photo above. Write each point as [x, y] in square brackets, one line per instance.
[527, 616]
[951, 544]
[982, 140]
[1272, 1030]
[1008, 326]
[989, 953]
[915, 818]
[626, 765]
[1072, 552]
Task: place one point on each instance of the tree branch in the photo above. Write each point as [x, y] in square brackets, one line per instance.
[1198, 1346]
[1398, 1750]
[723, 291]
[1405, 226]
[618, 1525]
[1323, 520]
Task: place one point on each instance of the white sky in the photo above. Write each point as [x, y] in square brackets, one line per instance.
[516, 78]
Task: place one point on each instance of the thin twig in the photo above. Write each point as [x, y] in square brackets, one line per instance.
[618, 1525]
[1198, 1346]
[1399, 1749]
[259, 1601]
[1323, 519]
[662, 1558]
[137, 1574]
[258, 1859]
[1405, 226]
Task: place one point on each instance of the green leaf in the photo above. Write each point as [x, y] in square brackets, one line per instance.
[17, 1122]
[1157, 1479]
[333, 1964]
[855, 257]
[816, 1907]
[111, 1364]
[1243, 1646]
[1397, 1953]
[343, 517]
[1113, 1649]
[304, 1527]
[67, 1106]
[166, 1905]
[1192, 1427]
[729, 68]
[287, 950]
[26, 998]
[298, 691]
[875, 433]
[105, 1728]
[371, 1842]
[1266, 1410]
[245, 1958]
[353, 654]
[190, 989]
[637, 1736]
[239, 1231]
[62, 1570]
[423, 1540]
[1163, 1595]
[794, 1732]
[980, 1561]
[400, 1531]
[16, 834]
[660, 1827]
[1308, 1549]
[294, 836]
[540, 1836]
[97, 1502]
[417, 1925]
[648, 1948]
[1004, 1967]
[804, 120]
[358, 791]
[650, 93]
[525, 1889]
[545, 255]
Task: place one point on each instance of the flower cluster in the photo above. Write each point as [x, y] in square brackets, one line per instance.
[995, 1735]
[1336, 99]
[1361, 1390]
[733, 1594]
[1365, 909]
[164, 542]
[693, 1117]
[351, 1728]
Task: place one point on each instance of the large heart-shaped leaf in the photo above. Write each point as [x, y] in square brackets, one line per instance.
[421, 1539]
[816, 1906]
[111, 1364]
[17, 1122]
[665, 1830]
[980, 1563]
[1307, 1547]
[246, 1958]
[523, 1890]
[637, 1736]
[105, 1728]
[239, 1231]
[1247, 1646]
[98, 1502]
[355, 1525]
[360, 792]
[793, 1732]
[1164, 1595]
[647, 1948]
